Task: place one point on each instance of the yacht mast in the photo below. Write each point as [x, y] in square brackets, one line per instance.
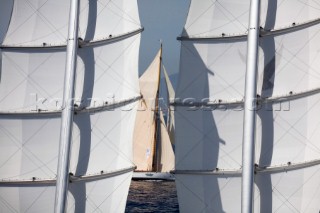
[156, 155]
[249, 109]
[67, 110]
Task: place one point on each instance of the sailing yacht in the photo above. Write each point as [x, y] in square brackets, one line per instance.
[153, 153]
[69, 79]
[270, 162]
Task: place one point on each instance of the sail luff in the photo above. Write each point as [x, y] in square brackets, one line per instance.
[249, 109]
[156, 157]
[67, 112]
[144, 133]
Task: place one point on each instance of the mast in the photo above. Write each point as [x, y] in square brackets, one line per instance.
[249, 109]
[67, 111]
[156, 117]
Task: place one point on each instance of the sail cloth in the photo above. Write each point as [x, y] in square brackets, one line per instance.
[144, 134]
[31, 89]
[209, 138]
[171, 95]
[166, 151]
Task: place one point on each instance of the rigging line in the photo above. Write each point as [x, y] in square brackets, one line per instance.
[204, 12]
[27, 75]
[7, 205]
[37, 198]
[294, 57]
[199, 141]
[230, 85]
[219, 27]
[307, 142]
[313, 197]
[287, 199]
[234, 17]
[104, 136]
[45, 20]
[198, 57]
[16, 141]
[309, 5]
[26, 19]
[190, 190]
[127, 48]
[122, 182]
[127, 14]
[291, 126]
[18, 144]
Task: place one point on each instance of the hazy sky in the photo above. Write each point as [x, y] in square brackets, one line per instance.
[162, 19]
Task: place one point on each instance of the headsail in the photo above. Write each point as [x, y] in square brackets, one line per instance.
[171, 95]
[32, 70]
[166, 163]
[145, 125]
[209, 121]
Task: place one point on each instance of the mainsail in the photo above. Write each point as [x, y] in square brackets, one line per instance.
[209, 107]
[152, 147]
[31, 88]
[144, 141]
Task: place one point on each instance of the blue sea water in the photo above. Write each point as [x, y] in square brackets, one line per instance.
[152, 196]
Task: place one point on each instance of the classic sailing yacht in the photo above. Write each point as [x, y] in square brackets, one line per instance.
[153, 153]
[82, 85]
[223, 162]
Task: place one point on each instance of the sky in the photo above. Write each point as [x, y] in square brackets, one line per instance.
[162, 19]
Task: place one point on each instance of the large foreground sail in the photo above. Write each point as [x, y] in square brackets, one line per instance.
[209, 107]
[106, 92]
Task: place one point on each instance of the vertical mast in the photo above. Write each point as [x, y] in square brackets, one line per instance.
[67, 110]
[249, 109]
[155, 154]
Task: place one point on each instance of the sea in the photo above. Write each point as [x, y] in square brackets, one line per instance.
[152, 196]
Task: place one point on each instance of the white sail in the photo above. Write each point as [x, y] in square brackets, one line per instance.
[106, 94]
[209, 102]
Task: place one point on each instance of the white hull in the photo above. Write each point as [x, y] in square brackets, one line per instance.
[153, 176]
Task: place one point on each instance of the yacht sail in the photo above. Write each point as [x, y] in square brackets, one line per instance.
[106, 94]
[153, 153]
[209, 107]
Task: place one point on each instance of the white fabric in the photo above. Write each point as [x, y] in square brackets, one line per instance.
[99, 19]
[38, 21]
[103, 140]
[29, 147]
[214, 70]
[106, 195]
